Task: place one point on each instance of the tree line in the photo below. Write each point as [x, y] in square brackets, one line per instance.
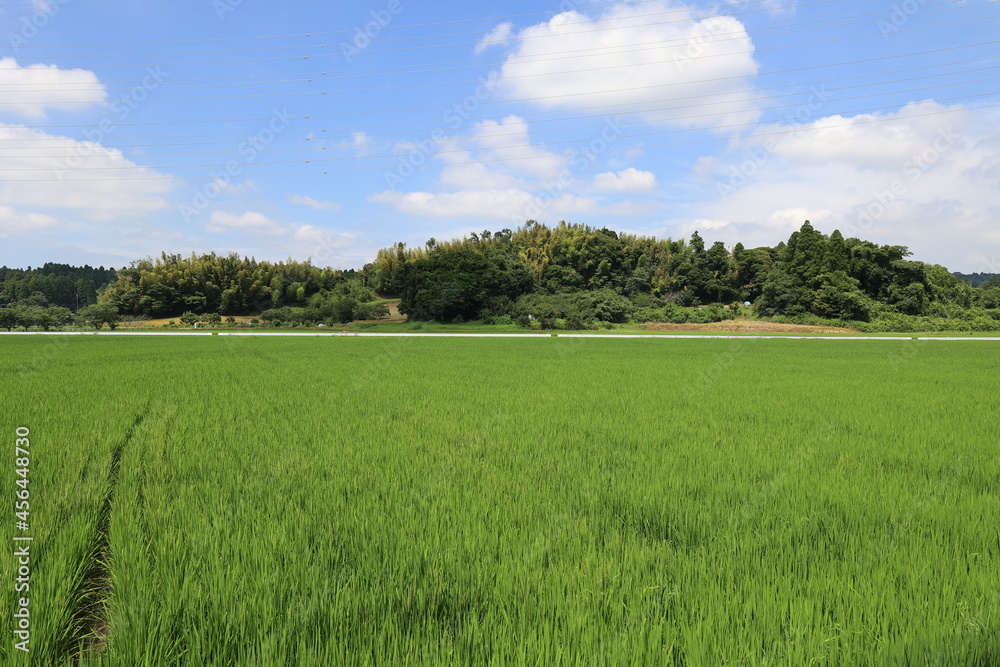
[194, 288]
[47, 296]
[564, 276]
[574, 274]
[60, 285]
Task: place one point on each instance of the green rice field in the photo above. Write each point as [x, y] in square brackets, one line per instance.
[412, 501]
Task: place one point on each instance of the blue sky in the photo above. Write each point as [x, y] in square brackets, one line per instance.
[327, 130]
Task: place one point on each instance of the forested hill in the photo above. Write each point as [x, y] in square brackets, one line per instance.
[978, 279]
[566, 276]
[579, 272]
[54, 284]
[225, 284]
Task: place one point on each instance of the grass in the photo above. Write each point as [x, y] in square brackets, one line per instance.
[541, 501]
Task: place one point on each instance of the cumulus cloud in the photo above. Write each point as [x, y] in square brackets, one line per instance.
[774, 6]
[704, 66]
[927, 174]
[319, 235]
[360, 142]
[28, 91]
[508, 139]
[248, 222]
[51, 171]
[314, 204]
[476, 175]
[511, 204]
[13, 222]
[627, 180]
[496, 172]
[498, 36]
[323, 247]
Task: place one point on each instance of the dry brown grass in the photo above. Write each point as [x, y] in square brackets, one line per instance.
[176, 320]
[749, 326]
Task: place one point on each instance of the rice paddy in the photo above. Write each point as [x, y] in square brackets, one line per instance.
[549, 501]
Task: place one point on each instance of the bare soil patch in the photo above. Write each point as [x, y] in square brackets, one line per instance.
[394, 313]
[750, 326]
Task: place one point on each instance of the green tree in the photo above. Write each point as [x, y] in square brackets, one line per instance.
[53, 316]
[837, 257]
[8, 318]
[449, 283]
[99, 314]
[29, 314]
[985, 297]
[342, 310]
[840, 297]
[59, 316]
[806, 254]
[782, 294]
[370, 311]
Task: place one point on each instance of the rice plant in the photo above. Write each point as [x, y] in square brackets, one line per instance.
[543, 501]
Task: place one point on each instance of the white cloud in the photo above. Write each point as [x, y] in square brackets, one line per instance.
[912, 178]
[511, 204]
[627, 180]
[360, 142]
[476, 175]
[318, 235]
[12, 222]
[498, 36]
[498, 174]
[704, 65]
[28, 91]
[773, 6]
[508, 139]
[247, 222]
[314, 204]
[50, 171]
[323, 247]
[868, 141]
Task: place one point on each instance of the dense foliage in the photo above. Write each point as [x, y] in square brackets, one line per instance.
[61, 285]
[171, 285]
[570, 276]
[46, 297]
[978, 279]
[576, 275]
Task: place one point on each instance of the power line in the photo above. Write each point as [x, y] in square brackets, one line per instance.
[512, 159]
[422, 47]
[949, 3]
[704, 103]
[535, 146]
[369, 112]
[385, 71]
[392, 70]
[425, 84]
[549, 13]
